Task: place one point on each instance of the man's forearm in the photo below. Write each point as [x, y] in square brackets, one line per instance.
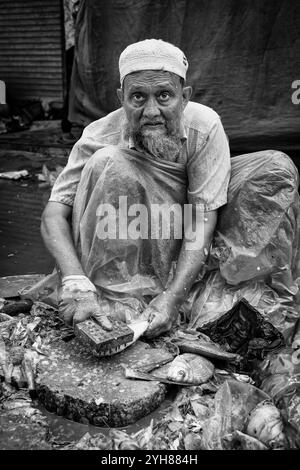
[57, 236]
[193, 255]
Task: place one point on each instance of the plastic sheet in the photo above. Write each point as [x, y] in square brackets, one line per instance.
[114, 182]
[255, 253]
[258, 232]
[233, 403]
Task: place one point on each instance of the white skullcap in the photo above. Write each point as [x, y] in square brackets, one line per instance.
[152, 54]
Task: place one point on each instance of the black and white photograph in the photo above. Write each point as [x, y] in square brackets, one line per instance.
[149, 228]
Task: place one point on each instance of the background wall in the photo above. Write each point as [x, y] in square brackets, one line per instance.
[244, 56]
[31, 48]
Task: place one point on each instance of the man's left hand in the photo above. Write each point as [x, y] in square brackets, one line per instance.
[161, 314]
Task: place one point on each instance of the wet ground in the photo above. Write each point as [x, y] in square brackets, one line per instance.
[22, 201]
[21, 248]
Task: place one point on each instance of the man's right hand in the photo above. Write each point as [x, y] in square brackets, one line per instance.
[78, 301]
[78, 295]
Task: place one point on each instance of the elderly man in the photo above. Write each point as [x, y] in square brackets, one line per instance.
[158, 150]
[138, 176]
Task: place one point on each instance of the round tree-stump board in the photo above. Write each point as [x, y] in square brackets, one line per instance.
[73, 383]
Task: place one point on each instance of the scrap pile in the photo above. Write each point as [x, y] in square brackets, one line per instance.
[239, 391]
[24, 339]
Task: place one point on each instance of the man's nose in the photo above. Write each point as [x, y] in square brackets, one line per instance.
[151, 109]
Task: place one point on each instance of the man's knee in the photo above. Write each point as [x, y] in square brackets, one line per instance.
[101, 156]
[100, 159]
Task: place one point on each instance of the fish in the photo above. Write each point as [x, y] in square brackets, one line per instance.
[136, 374]
[191, 369]
[186, 369]
[225, 374]
[265, 424]
[154, 365]
[207, 349]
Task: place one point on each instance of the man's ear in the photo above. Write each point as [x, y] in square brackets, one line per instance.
[186, 94]
[120, 95]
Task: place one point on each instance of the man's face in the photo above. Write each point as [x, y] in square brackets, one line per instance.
[154, 102]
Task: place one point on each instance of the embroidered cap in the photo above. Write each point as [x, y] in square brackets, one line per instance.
[152, 54]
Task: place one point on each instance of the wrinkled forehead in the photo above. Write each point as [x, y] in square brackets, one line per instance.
[157, 78]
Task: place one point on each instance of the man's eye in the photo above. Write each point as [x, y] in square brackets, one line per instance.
[164, 96]
[138, 98]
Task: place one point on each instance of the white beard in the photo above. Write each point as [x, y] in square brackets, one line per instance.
[159, 143]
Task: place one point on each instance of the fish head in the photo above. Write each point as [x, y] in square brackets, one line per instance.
[179, 370]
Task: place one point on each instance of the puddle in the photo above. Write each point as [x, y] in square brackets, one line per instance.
[21, 247]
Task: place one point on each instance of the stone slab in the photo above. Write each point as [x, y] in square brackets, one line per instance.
[74, 384]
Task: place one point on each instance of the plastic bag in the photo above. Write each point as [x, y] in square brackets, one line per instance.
[279, 376]
[255, 253]
[279, 373]
[243, 330]
[258, 232]
[214, 297]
